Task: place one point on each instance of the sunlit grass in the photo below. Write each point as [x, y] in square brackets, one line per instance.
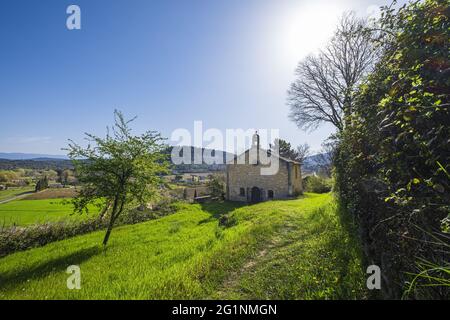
[188, 255]
[27, 212]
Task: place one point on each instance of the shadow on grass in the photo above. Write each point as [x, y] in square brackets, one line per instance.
[38, 271]
[218, 209]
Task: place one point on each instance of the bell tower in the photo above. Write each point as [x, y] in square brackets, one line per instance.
[255, 145]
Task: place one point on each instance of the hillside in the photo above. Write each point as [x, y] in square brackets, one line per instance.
[295, 249]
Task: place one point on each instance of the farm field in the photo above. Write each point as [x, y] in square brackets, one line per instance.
[27, 212]
[14, 192]
[57, 193]
[297, 249]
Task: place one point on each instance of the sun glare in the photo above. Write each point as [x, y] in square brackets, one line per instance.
[305, 29]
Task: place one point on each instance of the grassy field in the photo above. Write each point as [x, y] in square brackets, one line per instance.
[13, 192]
[27, 212]
[294, 249]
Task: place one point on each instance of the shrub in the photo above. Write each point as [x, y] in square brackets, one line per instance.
[216, 184]
[317, 184]
[227, 220]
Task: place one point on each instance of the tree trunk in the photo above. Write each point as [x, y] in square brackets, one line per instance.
[114, 214]
[108, 233]
[112, 219]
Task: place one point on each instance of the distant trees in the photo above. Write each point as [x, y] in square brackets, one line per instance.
[326, 83]
[41, 184]
[16, 178]
[8, 176]
[63, 176]
[120, 170]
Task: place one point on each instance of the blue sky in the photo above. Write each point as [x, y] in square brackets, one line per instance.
[227, 63]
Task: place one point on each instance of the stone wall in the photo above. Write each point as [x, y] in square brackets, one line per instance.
[297, 180]
[248, 176]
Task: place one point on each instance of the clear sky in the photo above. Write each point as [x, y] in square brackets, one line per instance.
[227, 63]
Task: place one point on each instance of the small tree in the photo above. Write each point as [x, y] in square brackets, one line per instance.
[122, 169]
[217, 185]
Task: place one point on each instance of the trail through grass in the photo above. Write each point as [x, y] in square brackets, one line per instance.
[311, 256]
[14, 192]
[278, 249]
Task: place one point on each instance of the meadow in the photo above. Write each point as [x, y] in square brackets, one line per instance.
[296, 249]
[27, 212]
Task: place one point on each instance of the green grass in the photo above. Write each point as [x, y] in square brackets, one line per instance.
[27, 212]
[311, 256]
[280, 249]
[13, 192]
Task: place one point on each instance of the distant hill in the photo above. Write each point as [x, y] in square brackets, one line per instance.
[11, 161]
[36, 164]
[315, 162]
[30, 156]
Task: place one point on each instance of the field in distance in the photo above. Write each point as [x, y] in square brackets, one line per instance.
[46, 206]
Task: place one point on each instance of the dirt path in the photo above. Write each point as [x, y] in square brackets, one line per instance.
[20, 196]
[231, 285]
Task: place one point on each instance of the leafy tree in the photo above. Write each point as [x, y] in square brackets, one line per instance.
[393, 157]
[121, 169]
[217, 185]
[287, 151]
[284, 148]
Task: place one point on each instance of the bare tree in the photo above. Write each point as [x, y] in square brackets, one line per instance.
[325, 84]
[302, 152]
[325, 158]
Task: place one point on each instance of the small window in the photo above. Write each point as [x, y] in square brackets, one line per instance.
[242, 192]
[296, 172]
[270, 194]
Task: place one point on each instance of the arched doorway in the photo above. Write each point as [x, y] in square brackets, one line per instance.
[256, 195]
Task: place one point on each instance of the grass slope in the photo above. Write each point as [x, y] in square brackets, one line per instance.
[278, 249]
[27, 212]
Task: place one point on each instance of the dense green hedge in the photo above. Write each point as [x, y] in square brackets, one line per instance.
[393, 158]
